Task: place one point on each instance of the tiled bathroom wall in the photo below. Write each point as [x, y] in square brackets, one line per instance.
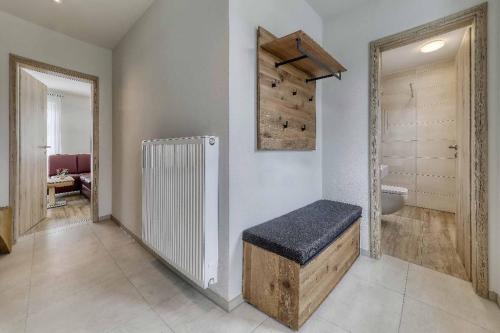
[418, 127]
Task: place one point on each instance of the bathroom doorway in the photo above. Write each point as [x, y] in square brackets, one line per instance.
[427, 146]
[425, 113]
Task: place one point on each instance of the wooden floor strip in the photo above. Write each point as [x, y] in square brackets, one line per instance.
[424, 237]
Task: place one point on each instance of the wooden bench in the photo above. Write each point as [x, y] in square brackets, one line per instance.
[292, 263]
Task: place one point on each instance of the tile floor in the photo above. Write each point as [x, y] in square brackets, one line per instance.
[95, 278]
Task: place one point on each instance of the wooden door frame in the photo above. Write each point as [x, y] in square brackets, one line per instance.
[15, 64]
[477, 18]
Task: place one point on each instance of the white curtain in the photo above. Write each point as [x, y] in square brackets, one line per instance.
[54, 107]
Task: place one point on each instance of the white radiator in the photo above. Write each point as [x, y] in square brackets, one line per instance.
[180, 204]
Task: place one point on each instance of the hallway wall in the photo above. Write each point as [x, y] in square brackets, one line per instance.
[32, 41]
[264, 184]
[170, 79]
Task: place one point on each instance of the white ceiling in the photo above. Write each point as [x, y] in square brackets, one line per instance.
[100, 22]
[331, 8]
[409, 56]
[61, 83]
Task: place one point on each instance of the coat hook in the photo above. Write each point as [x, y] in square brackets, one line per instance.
[303, 128]
[285, 124]
[294, 92]
[311, 98]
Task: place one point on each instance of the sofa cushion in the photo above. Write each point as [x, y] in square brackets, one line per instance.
[86, 179]
[62, 162]
[83, 163]
[305, 232]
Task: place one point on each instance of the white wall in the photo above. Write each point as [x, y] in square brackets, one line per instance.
[263, 185]
[76, 124]
[345, 103]
[170, 79]
[29, 40]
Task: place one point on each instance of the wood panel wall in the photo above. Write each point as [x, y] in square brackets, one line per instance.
[418, 126]
[286, 104]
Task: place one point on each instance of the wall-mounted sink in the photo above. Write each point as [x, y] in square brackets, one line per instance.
[384, 170]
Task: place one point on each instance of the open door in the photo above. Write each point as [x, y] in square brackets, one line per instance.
[463, 210]
[32, 177]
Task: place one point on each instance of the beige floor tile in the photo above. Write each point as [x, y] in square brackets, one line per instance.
[95, 278]
[244, 319]
[111, 235]
[360, 306]
[22, 249]
[95, 309]
[157, 283]
[314, 325]
[132, 258]
[67, 259]
[189, 311]
[13, 305]
[64, 240]
[55, 288]
[15, 275]
[389, 272]
[13, 326]
[452, 295]
[149, 322]
[15, 267]
[420, 317]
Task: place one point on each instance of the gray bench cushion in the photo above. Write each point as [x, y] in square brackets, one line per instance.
[303, 233]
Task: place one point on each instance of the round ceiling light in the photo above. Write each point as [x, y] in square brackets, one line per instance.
[432, 46]
[58, 1]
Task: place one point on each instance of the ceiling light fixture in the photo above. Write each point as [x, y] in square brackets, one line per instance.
[57, 1]
[432, 46]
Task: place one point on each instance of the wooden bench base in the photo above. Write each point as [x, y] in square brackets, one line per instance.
[289, 292]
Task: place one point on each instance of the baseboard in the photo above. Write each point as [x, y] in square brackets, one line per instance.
[210, 294]
[494, 297]
[104, 218]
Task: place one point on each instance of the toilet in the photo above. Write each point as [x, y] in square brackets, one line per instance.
[393, 198]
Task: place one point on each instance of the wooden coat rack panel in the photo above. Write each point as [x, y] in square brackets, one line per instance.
[286, 111]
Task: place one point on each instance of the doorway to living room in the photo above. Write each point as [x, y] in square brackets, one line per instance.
[54, 146]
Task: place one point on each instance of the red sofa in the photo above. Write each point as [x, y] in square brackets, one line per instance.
[79, 168]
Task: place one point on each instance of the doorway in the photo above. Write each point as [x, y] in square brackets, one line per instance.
[54, 137]
[437, 202]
